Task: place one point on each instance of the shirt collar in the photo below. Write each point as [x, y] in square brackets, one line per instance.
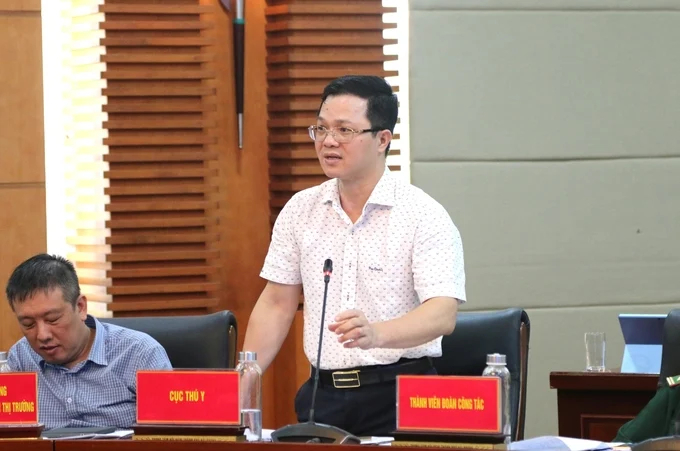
[330, 192]
[383, 193]
[98, 351]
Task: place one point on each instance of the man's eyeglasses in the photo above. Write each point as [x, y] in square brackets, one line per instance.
[340, 134]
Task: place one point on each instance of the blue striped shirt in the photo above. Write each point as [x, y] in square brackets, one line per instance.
[99, 391]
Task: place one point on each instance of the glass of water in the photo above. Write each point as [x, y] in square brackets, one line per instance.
[595, 351]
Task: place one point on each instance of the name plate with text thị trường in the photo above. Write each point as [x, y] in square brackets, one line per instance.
[18, 398]
[450, 404]
[188, 397]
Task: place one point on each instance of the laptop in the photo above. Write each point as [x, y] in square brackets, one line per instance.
[643, 338]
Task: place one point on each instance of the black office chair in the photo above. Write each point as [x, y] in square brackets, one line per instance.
[202, 341]
[670, 354]
[478, 334]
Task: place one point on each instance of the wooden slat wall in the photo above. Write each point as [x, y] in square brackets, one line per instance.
[83, 147]
[309, 43]
[163, 173]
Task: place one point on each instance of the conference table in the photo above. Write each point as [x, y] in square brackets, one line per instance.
[164, 445]
[26, 445]
[590, 405]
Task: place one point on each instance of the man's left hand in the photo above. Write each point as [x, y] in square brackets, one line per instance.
[354, 330]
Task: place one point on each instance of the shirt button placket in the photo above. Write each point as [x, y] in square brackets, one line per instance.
[70, 393]
[349, 276]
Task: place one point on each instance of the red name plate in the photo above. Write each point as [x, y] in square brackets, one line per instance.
[18, 398]
[449, 404]
[188, 397]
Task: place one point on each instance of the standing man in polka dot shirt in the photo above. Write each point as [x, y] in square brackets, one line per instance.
[398, 273]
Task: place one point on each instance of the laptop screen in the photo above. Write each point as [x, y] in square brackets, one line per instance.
[643, 335]
[642, 329]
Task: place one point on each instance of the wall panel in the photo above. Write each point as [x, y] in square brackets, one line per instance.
[163, 179]
[548, 132]
[244, 189]
[21, 109]
[309, 43]
[9, 6]
[23, 235]
[22, 173]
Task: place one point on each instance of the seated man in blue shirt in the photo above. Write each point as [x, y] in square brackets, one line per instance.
[86, 370]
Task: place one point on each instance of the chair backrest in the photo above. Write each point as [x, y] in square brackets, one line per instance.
[670, 353]
[202, 341]
[478, 334]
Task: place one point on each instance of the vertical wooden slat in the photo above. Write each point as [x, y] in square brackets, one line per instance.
[163, 176]
[309, 43]
[83, 102]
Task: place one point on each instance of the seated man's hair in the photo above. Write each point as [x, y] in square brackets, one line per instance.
[43, 272]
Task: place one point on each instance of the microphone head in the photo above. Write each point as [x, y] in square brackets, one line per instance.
[328, 267]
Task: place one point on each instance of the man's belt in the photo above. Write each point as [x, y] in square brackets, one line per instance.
[359, 377]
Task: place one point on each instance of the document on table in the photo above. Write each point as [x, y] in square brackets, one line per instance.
[376, 440]
[555, 443]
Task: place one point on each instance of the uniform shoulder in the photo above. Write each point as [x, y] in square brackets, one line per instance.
[673, 381]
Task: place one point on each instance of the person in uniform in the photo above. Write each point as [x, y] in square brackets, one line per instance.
[659, 418]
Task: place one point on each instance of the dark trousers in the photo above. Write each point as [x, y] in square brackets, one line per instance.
[363, 411]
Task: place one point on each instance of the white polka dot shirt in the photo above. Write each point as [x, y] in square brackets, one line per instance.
[402, 251]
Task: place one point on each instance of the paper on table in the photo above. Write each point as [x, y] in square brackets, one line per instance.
[266, 435]
[375, 440]
[578, 444]
[560, 444]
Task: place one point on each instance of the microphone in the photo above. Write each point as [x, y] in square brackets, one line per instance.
[312, 432]
[327, 271]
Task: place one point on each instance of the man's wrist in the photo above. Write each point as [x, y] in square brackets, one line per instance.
[379, 331]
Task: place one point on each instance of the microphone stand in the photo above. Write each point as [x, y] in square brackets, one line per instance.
[310, 431]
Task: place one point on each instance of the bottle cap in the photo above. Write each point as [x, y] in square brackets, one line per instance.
[495, 359]
[247, 356]
[3, 356]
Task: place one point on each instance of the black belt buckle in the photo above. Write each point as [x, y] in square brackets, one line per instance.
[346, 379]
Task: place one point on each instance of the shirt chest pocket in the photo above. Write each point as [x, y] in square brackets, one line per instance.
[377, 274]
[384, 278]
[386, 269]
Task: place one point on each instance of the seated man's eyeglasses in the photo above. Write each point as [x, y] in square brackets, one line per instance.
[340, 134]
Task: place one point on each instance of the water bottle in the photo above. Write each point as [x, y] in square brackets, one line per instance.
[4, 366]
[496, 366]
[251, 393]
